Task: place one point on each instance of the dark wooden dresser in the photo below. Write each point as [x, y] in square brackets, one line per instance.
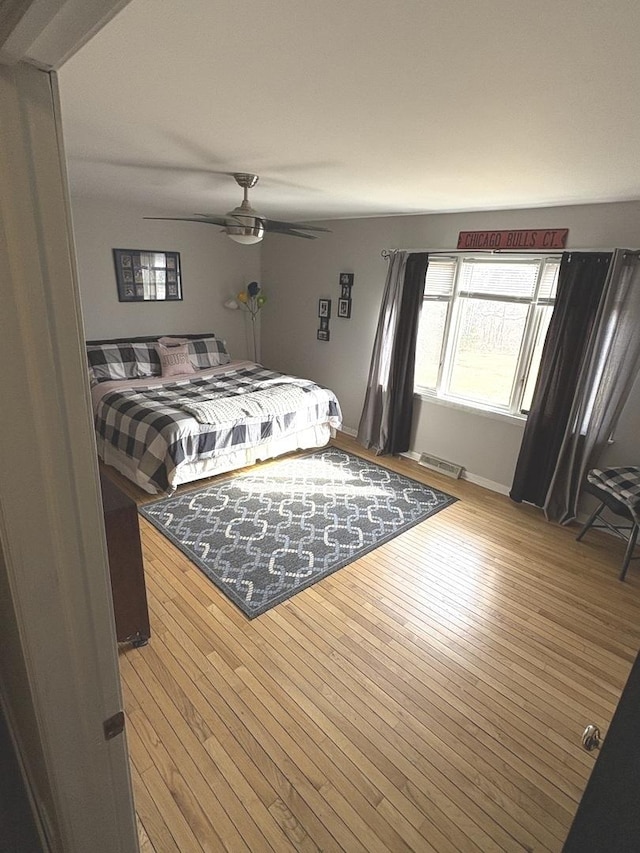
[125, 565]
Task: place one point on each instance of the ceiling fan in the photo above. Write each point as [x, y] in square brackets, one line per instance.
[244, 224]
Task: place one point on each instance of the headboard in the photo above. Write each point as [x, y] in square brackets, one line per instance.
[148, 338]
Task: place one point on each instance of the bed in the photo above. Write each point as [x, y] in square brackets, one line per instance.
[171, 410]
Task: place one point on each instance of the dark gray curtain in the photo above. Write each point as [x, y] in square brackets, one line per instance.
[385, 424]
[581, 283]
[603, 386]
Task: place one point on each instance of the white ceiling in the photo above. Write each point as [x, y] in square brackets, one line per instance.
[352, 108]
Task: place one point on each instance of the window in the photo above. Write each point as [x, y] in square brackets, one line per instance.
[482, 328]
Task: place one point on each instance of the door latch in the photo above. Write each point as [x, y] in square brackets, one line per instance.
[114, 725]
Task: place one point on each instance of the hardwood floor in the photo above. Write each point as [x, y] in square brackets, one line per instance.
[428, 697]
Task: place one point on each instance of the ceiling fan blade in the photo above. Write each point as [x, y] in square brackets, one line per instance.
[274, 224]
[207, 220]
[243, 223]
[291, 232]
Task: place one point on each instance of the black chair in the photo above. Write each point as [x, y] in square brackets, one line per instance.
[617, 489]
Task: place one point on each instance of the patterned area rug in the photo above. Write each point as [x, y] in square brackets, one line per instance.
[267, 534]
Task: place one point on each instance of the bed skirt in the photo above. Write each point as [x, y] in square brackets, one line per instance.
[187, 472]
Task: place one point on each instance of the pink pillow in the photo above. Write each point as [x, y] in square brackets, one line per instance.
[175, 361]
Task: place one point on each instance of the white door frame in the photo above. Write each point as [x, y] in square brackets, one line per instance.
[46, 33]
[59, 676]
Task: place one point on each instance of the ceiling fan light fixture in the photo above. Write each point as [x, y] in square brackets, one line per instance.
[244, 228]
[246, 236]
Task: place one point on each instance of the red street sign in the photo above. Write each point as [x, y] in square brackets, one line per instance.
[549, 238]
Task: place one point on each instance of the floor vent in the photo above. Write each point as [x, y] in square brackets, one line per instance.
[441, 465]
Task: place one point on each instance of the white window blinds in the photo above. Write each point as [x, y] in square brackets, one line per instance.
[441, 274]
[511, 280]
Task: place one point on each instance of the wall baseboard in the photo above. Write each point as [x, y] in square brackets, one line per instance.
[476, 479]
[467, 475]
[500, 488]
[486, 484]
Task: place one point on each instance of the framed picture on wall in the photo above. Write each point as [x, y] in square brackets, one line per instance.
[344, 308]
[324, 308]
[147, 275]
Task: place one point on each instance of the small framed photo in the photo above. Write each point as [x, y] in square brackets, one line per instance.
[345, 291]
[324, 324]
[346, 279]
[323, 334]
[324, 308]
[344, 308]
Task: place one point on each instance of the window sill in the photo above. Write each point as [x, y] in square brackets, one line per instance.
[516, 420]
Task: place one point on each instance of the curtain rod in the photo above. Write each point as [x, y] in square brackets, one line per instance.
[387, 253]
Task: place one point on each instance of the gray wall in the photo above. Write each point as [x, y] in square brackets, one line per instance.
[296, 273]
[213, 268]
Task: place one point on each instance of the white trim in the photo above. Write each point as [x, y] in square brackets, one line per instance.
[467, 475]
[516, 420]
[348, 430]
[500, 488]
[486, 484]
[51, 31]
[59, 669]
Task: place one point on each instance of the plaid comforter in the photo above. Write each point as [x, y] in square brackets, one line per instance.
[154, 426]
